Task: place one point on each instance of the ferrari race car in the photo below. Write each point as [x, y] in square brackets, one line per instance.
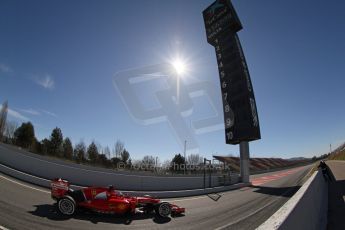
[107, 200]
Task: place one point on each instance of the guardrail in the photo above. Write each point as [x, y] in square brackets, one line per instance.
[307, 209]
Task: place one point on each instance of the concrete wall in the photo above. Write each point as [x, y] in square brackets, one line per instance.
[307, 209]
[86, 176]
[159, 194]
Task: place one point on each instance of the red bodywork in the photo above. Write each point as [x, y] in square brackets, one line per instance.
[106, 200]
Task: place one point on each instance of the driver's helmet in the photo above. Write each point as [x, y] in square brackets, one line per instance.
[111, 188]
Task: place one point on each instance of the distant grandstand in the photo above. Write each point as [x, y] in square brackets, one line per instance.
[262, 164]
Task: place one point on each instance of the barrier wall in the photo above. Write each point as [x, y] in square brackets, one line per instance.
[85, 175]
[307, 209]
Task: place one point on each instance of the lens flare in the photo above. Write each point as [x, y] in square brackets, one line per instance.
[179, 66]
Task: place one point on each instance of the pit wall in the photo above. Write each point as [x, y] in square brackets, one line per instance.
[307, 209]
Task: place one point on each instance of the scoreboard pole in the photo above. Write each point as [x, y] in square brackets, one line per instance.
[244, 161]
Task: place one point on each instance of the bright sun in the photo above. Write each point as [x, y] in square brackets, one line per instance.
[179, 66]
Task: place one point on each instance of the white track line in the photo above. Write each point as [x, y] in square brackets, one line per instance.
[247, 216]
[253, 213]
[22, 172]
[24, 185]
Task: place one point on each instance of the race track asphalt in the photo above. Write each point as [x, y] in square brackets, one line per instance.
[24, 206]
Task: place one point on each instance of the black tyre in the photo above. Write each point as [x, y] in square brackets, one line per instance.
[163, 209]
[67, 206]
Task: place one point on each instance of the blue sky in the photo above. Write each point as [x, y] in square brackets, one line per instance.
[58, 60]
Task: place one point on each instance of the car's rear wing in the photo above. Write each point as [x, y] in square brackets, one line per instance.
[59, 188]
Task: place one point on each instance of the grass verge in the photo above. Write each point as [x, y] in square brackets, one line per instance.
[338, 156]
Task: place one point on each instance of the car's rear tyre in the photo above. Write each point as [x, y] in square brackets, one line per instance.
[163, 209]
[67, 206]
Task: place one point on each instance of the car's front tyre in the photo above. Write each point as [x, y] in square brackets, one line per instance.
[163, 209]
[67, 206]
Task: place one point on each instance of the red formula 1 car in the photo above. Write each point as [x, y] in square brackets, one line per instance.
[107, 200]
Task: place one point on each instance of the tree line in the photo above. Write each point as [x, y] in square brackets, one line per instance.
[58, 146]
